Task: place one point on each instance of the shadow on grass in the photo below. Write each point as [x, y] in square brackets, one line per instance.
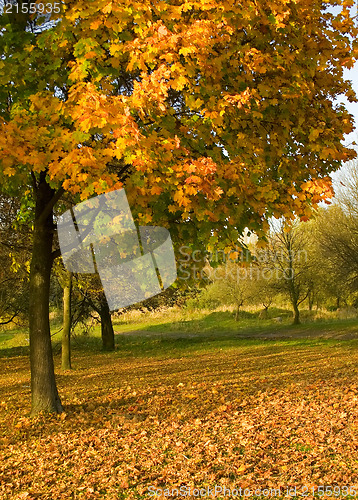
[278, 326]
[185, 347]
[218, 323]
[10, 352]
[159, 345]
[5, 336]
[216, 330]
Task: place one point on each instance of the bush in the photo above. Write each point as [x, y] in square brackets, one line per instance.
[203, 300]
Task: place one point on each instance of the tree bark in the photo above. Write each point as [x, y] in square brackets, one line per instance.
[107, 331]
[67, 320]
[44, 395]
[237, 313]
[311, 297]
[296, 317]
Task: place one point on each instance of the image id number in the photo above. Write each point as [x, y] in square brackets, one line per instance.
[32, 8]
[329, 491]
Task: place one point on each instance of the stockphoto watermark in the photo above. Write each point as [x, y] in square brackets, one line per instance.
[237, 265]
[239, 255]
[212, 492]
[100, 235]
[220, 491]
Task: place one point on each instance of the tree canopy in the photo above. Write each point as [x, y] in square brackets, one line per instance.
[210, 111]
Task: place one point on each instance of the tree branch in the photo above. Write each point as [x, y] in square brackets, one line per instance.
[9, 320]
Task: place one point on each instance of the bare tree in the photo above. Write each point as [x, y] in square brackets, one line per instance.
[287, 259]
[346, 189]
[337, 231]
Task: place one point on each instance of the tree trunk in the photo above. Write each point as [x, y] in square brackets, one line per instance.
[44, 395]
[296, 317]
[266, 308]
[107, 331]
[237, 313]
[311, 297]
[66, 333]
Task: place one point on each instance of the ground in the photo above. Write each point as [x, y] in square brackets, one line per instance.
[183, 405]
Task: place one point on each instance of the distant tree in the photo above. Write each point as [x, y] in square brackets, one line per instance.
[67, 323]
[263, 286]
[231, 284]
[94, 298]
[346, 189]
[287, 259]
[337, 231]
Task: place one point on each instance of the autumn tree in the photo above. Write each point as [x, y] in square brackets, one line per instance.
[232, 284]
[263, 286]
[213, 115]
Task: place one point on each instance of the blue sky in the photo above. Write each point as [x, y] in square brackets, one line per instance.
[352, 107]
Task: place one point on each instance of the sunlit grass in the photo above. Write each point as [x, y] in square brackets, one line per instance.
[174, 327]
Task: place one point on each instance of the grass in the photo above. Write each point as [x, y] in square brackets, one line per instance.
[191, 398]
[175, 330]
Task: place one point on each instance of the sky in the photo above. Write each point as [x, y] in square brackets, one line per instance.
[352, 107]
[350, 74]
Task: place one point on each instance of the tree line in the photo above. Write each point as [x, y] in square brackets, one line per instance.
[311, 262]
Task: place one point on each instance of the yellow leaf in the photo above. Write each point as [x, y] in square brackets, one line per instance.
[107, 9]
